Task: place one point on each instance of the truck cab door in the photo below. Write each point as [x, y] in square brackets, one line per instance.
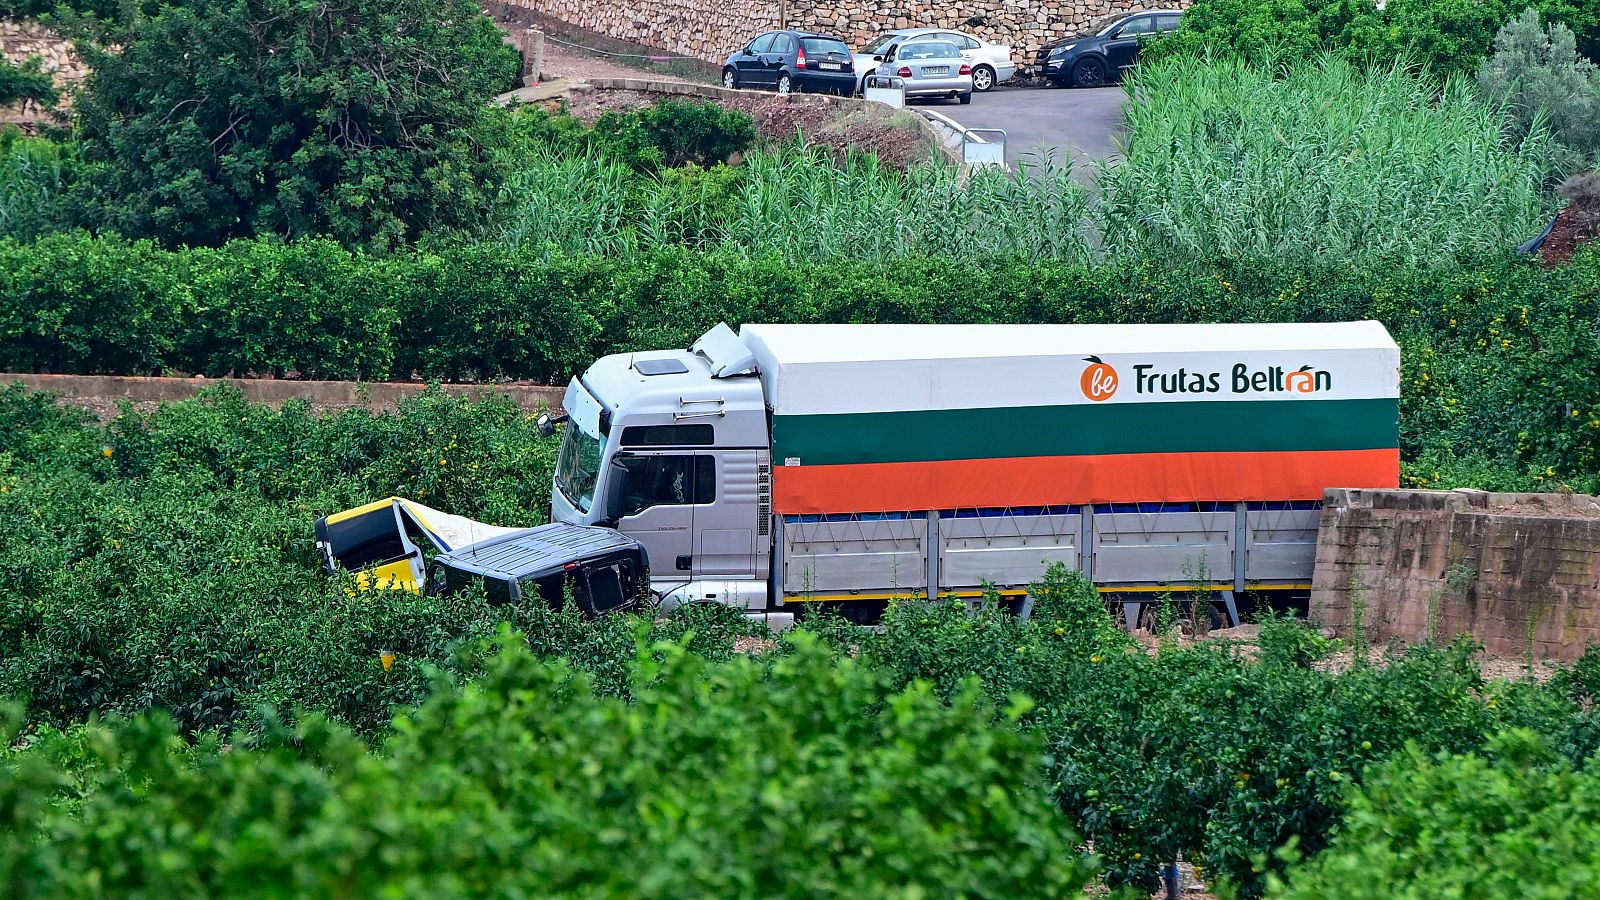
[653, 500]
[728, 518]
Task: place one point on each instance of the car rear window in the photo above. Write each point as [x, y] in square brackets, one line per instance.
[824, 45]
[929, 50]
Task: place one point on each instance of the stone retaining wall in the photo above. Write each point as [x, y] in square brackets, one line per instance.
[711, 29]
[1502, 567]
[20, 41]
[98, 390]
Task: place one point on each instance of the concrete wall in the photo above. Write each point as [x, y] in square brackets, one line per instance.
[1492, 565]
[711, 29]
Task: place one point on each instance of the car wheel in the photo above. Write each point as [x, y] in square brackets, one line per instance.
[965, 98]
[983, 79]
[785, 83]
[1089, 73]
[730, 78]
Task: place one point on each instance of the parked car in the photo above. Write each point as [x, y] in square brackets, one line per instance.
[1101, 56]
[991, 63]
[792, 61]
[930, 69]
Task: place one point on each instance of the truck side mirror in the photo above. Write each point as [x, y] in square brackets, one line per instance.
[546, 425]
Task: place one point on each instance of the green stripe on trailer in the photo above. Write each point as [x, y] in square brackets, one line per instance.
[1086, 430]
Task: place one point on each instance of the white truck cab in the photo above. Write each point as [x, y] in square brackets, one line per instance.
[671, 448]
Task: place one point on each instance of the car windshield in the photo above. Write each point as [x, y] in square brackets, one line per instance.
[880, 42]
[819, 46]
[929, 50]
[578, 466]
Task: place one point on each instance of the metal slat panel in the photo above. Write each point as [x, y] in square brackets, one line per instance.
[854, 555]
[1008, 551]
[1132, 548]
[1282, 544]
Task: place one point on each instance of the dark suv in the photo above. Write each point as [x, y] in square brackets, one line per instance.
[1102, 55]
[792, 61]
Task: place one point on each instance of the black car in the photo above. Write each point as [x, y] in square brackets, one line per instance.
[599, 569]
[1102, 55]
[792, 61]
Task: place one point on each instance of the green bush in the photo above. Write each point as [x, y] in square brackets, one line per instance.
[1445, 37]
[805, 777]
[665, 135]
[1538, 76]
[1512, 821]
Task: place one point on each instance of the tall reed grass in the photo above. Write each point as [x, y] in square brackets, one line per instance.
[1319, 161]
[1316, 162]
[800, 204]
[32, 175]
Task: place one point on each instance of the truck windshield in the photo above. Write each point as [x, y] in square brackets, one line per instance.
[578, 466]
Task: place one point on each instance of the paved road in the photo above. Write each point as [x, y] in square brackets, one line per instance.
[1077, 121]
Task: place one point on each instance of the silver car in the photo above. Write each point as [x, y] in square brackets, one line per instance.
[930, 69]
[991, 63]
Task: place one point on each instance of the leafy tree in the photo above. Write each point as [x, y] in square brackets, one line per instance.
[357, 119]
[1536, 72]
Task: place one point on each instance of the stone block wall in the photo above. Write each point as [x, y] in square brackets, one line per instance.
[1497, 566]
[20, 41]
[711, 29]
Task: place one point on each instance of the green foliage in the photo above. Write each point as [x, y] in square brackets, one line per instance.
[1199, 751]
[799, 203]
[34, 173]
[165, 560]
[354, 119]
[666, 135]
[1499, 386]
[1512, 821]
[805, 777]
[1323, 161]
[1445, 37]
[1538, 76]
[26, 84]
[674, 133]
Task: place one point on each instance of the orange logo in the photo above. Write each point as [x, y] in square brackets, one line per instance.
[1099, 381]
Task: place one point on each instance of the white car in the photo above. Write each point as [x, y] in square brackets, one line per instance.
[991, 63]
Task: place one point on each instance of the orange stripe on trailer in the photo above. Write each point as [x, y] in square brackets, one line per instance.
[1064, 480]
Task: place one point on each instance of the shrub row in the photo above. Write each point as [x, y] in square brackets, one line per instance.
[1213, 753]
[804, 776]
[1500, 386]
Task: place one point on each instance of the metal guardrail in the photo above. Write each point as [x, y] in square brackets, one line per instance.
[886, 89]
[976, 150]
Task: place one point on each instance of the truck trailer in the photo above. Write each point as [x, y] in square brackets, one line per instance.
[785, 466]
